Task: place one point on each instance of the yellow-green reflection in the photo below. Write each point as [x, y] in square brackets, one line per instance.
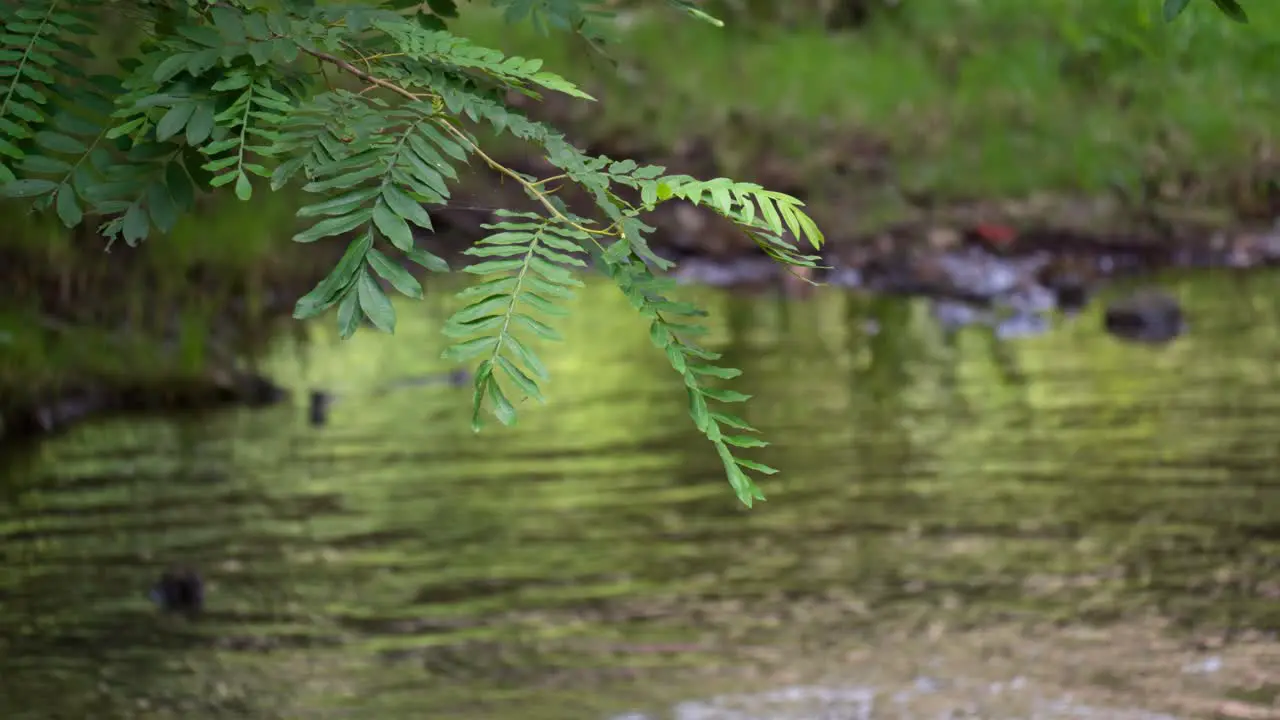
[394, 564]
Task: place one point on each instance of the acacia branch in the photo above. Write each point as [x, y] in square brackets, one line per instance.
[530, 187]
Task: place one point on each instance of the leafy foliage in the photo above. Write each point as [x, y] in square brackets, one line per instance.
[370, 107]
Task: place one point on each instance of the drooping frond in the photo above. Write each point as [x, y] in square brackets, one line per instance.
[525, 277]
[375, 179]
[766, 215]
[673, 327]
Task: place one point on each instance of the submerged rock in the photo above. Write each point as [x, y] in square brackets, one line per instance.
[247, 388]
[318, 407]
[320, 401]
[1147, 315]
[454, 378]
[1071, 280]
[179, 590]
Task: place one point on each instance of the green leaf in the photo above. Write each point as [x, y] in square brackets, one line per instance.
[482, 308]
[406, 207]
[200, 125]
[659, 335]
[539, 328]
[698, 410]
[244, 188]
[716, 371]
[467, 329]
[340, 279]
[744, 441]
[284, 171]
[349, 314]
[225, 178]
[340, 205]
[174, 121]
[57, 142]
[758, 467]
[552, 81]
[725, 396]
[468, 349]
[742, 485]
[527, 358]
[136, 226]
[522, 381]
[502, 408]
[68, 209]
[732, 421]
[427, 260]
[45, 165]
[120, 131]
[161, 207]
[393, 273]
[493, 267]
[696, 12]
[541, 304]
[1230, 8]
[392, 226]
[375, 303]
[31, 187]
[333, 226]
[345, 181]
[169, 67]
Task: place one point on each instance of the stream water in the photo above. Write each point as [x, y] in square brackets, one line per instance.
[1060, 526]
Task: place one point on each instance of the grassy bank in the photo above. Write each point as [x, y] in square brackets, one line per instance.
[952, 101]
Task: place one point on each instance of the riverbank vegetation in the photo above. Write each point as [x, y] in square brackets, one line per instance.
[931, 102]
[74, 314]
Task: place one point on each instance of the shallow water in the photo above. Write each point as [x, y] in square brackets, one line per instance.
[1056, 526]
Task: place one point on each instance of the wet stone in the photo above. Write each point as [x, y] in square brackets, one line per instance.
[1147, 315]
[179, 590]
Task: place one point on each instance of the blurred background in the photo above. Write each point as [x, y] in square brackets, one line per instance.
[1026, 425]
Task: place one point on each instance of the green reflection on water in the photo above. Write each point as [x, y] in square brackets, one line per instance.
[592, 556]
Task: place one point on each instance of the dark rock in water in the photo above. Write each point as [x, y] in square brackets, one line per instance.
[318, 409]
[262, 392]
[1070, 282]
[455, 378]
[248, 389]
[179, 590]
[320, 401]
[67, 409]
[1147, 315]
[1071, 296]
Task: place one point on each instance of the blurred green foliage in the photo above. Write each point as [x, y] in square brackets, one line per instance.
[973, 100]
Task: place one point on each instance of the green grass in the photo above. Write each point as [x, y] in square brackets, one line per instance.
[982, 99]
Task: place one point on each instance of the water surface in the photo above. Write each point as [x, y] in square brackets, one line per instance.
[1057, 526]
